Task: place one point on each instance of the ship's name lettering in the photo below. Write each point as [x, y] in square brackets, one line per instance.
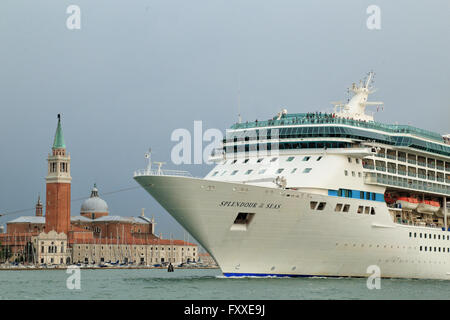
[240, 204]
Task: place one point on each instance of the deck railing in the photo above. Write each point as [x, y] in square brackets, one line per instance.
[161, 172]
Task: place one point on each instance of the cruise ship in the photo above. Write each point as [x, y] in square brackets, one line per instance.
[319, 194]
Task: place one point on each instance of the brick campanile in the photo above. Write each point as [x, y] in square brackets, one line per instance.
[57, 212]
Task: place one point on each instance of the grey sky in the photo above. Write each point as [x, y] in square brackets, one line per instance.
[137, 70]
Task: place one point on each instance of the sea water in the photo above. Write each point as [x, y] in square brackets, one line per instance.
[207, 284]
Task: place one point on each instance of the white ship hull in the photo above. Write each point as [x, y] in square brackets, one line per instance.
[287, 238]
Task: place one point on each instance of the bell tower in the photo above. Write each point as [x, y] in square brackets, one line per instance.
[39, 207]
[58, 180]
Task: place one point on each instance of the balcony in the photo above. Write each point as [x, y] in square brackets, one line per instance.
[374, 178]
[389, 156]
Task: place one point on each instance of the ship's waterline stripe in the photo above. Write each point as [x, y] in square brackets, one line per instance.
[282, 275]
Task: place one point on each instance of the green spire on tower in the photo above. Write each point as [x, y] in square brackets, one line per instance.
[58, 143]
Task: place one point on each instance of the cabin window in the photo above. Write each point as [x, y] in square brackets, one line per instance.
[246, 160]
[313, 204]
[321, 206]
[346, 208]
[248, 172]
[306, 158]
[262, 171]
[215, 173]
[338, 207]
[360, 209]
[318, 159]
[290, 159]
[234, 172]
[274, 159]
[259, 160]
[279, 170]
[372, 211]
[366, 210]
[293, 170]
[307, 170]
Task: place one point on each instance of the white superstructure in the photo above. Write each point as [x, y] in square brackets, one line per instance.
[319, 195]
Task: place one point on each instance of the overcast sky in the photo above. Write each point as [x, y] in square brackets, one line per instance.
[138, 70]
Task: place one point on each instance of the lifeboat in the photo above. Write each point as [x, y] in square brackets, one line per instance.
[389, 198]
[428, 206]
[440, 212]
[409, 203]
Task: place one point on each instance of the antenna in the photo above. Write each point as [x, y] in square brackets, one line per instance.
[239, 100]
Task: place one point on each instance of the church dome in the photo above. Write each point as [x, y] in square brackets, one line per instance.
[94, 203]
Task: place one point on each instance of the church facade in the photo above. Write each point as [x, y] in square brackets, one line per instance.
[93, 237]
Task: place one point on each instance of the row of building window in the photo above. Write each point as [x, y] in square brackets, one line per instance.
[341, 207]
[436, 249]
[357, 194]
[52, 249]
[430, 236]
[260, 160]
[262, 171]
[63, 168]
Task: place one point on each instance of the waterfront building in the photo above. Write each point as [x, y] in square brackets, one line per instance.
[93, 237]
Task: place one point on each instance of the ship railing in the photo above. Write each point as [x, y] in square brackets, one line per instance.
[304, 118]
[161, 172]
